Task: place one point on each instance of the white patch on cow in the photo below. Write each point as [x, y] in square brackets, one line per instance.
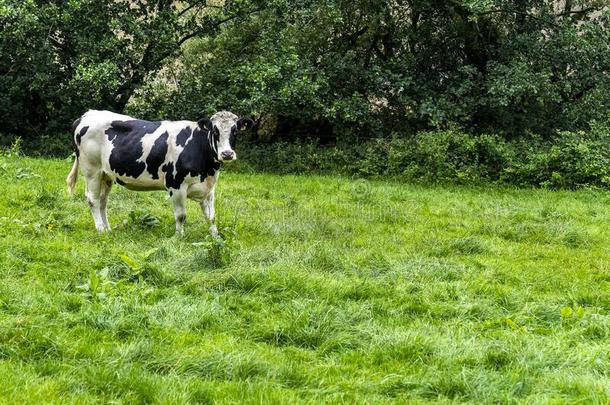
[148, 141]
[199, 191]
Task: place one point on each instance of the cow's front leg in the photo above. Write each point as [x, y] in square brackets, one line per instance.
[179, 200]
[207, 206]
[94, 185]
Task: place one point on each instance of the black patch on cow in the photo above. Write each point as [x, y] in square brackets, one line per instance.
[233, 137]
[76, 123]
[126, 136]
[80, 134]
[171, 193]
[197, 159]
[157, 154]
[77, 139]
[120, 182]
[183, 136]
[170, 182]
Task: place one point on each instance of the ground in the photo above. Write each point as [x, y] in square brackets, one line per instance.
[326, 289]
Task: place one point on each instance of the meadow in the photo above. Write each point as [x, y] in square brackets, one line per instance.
[323, 289]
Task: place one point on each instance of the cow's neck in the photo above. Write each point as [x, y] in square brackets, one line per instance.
[211, 164]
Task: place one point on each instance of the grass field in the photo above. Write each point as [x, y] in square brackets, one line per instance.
[326, 290]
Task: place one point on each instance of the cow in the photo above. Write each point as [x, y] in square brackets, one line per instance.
[182, 158]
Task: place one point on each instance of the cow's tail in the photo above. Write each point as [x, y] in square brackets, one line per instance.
[71, 179]
[73, 176]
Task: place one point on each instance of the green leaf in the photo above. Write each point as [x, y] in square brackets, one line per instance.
[132, 263]
[149, 253]
[94, 282]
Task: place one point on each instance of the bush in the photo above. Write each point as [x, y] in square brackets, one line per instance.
[567, 160]
[572, 159]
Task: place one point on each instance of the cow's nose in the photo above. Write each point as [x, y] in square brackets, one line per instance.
[228, 154]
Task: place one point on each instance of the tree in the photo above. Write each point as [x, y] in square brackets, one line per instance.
[60, 58]
[371, 68]
[349, 68]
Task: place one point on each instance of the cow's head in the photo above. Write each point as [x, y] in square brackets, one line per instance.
[223, 127]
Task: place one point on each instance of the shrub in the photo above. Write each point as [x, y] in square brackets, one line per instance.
[571, 159]
[567, 160]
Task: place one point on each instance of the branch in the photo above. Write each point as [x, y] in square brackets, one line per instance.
[567, 6]
[152, 58]
[202, 30]
[56, 42]
[64, 49]
[187, 9]
[162, 5]
[353, 37]
[579, 13]
[507, 11]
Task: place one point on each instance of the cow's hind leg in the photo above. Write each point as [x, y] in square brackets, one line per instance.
[179, 200]
[94, 190]
[106, 186]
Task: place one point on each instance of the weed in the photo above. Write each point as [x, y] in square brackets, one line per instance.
[141, 219]
[215, 253]
[97, 285]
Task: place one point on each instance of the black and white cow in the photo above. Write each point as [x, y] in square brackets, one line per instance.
[182, 157]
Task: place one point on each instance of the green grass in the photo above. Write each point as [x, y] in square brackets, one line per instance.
[327, 289]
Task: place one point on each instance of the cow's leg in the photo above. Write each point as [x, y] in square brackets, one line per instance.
[207, 205]
[179, 200]
[94, 187]
[106, 186]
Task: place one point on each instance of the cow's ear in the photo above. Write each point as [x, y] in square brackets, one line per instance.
[205, 123]
[244, 123]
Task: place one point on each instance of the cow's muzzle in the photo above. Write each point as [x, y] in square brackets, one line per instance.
[227, 155]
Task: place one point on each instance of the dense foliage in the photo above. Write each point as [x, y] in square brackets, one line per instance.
[525, 71]
[567, 160]
[372, 68]
[60, 58]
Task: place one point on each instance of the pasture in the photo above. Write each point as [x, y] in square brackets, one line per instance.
[325, 289]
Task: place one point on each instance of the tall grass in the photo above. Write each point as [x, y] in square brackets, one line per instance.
[325, 289]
